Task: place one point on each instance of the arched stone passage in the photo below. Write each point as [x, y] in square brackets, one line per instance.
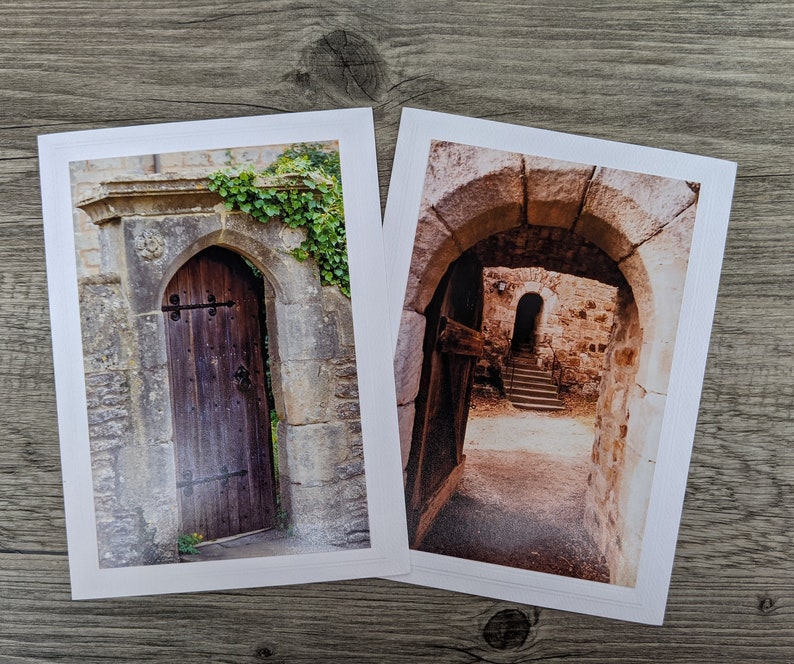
[525, 325]
[626, 229]
[148, 229]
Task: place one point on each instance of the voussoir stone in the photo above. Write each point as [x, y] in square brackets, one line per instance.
[407, 361]
[622, 209]
[555, 190]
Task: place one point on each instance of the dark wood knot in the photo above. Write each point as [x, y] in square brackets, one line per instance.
[348, 63]
[508, 629]
[264, 653]
[766, 605]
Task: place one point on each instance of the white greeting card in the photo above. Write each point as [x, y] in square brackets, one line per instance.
[225, 397]
[551, 299]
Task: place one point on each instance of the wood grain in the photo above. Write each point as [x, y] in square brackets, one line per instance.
[703, 77]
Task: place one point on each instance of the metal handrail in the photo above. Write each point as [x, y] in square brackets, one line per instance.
[509, 362]
[556, 365]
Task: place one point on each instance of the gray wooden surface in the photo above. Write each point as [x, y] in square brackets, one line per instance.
[713, 78]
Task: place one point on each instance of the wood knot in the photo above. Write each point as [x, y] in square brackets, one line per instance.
[345, 61]
[766, 605]
[263, 653]
[508, 629]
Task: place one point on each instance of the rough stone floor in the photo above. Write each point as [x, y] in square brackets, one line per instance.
[521, 500]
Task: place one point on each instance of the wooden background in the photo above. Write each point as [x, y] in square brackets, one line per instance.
[712, 78]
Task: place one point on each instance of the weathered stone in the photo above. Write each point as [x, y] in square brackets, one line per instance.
[349, 410]
[433, 251]
[555, 190]
[337, 306]
[405, 418]
[309, 395]
[346, 389]
[314, 452]
[304, 332]
[624, 209]
[657, 273]
[408, 356]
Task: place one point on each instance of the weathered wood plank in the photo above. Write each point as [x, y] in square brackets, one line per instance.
[459, 339]
[693, 76]
[371, 620]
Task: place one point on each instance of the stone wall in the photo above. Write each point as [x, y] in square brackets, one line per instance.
[576, 319]
[139, 220]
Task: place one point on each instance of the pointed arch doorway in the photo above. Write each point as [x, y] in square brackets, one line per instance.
[215, 329]
[526, 322]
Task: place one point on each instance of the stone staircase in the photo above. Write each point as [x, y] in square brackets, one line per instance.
[527, 386]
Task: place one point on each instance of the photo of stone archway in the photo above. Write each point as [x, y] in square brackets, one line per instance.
[533, 358]
[219, 358]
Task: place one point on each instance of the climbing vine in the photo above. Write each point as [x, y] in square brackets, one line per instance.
[303, 189]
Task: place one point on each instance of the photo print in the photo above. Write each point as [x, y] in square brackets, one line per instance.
[551, 299]
[216, 292]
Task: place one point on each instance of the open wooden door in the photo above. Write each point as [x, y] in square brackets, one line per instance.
[214, 322]
[452, 344]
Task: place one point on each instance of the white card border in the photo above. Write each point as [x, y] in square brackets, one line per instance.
[353, 129]
[646, 601]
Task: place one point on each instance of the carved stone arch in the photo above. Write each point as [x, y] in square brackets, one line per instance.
[643, 224]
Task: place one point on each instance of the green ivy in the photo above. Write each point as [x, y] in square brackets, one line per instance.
[303, 189]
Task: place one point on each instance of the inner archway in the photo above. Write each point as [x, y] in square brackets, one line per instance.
[527, 312]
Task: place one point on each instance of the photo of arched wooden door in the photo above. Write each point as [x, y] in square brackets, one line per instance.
[452, 344]
[213, 309]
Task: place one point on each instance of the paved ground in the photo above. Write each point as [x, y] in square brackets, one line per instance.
[521, 500]
[261, 544]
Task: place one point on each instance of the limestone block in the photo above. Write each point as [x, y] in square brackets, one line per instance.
[149, 330]
[433, 252]
[146, 474]
[405, 417]
[452, 166]
[151, 401]
[624, 209]
[303, 332]
[309, 386]
[626, 533]
[313, 452]
[103, 472]
[408, 356]
[656, 272]
[645, 421]
[555, 190]
[103, 324]
[338, 306]
[316, 513]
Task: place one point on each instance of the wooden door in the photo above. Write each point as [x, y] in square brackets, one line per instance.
[452, 344]
[213, 310]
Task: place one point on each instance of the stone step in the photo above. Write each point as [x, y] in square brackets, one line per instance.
[529, 387]
[528, 373]
[533, 391]
[538, 404]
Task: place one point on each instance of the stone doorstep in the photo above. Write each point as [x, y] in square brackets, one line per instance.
[261, 544]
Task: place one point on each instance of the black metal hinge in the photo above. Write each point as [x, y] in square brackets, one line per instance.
[188, 483]
[212, 304]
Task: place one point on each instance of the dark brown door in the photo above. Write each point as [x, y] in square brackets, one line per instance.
[221, 414]
[452, 344]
